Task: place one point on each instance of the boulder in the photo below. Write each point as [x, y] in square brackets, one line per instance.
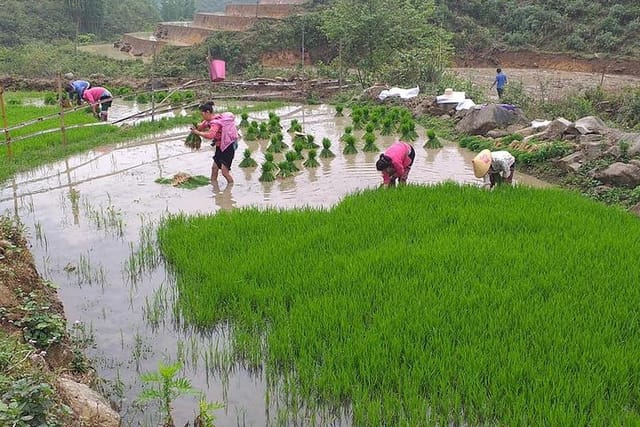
[620, 174]
[590, 124]
[91, 408]
[556, 129]
[482, 119]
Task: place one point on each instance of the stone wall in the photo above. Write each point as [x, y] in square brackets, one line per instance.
[141, 44]
[218, 22]
[181, 35]
[275, 11]
[282, 2]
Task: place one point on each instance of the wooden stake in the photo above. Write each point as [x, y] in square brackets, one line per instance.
[4, 122]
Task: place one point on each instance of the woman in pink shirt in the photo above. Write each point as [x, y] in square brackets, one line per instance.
[98, 96]
[395, 163]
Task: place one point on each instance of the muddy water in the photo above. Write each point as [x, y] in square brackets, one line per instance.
[86, 215]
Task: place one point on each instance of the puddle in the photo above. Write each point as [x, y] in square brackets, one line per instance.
[88, 214]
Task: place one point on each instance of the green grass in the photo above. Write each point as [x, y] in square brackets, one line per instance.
[512, 307]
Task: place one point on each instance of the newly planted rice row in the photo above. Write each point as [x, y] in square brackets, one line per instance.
[426, 305]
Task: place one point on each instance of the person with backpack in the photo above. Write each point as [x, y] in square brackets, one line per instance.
[221, 129]
[395, 163]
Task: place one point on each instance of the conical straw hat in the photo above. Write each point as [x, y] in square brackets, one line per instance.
[481, 163]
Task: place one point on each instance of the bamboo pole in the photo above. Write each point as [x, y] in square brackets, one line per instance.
[63, 132]
[4, 122]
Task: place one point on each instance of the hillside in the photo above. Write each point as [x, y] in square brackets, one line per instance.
[599, 26]
[574, 26]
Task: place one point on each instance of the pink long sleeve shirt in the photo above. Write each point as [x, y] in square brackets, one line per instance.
[399, 154]
[92, 95]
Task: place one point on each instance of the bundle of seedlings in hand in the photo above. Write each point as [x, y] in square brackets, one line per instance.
[277, 144]
[339, 109]
[193, 141]
[432, 140]
[311, 162]
[326, 152]
[350, 145]
[247, 161]
[244, 120]
[369, 143]
[295, 126]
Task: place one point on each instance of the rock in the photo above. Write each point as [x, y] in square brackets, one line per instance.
[90, 407]
[556, 129]
[482, 119]
[592, 150]
[571, 162]
[497, 133]
[590, 124]
[620, 174]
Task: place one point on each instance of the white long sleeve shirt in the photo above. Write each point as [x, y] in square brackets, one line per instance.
[501, 162]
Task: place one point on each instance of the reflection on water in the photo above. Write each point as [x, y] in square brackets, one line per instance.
[93, 216]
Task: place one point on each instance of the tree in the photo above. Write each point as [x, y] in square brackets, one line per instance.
[382, 37]
[88, 15]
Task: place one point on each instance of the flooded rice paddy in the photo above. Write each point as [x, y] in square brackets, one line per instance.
[91, 222]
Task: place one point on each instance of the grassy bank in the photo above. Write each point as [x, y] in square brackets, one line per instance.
[426, 305]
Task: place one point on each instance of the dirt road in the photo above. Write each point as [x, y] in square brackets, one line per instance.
[550, 84]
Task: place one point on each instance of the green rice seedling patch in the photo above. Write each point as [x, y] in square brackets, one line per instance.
[188, 182]
[427, 305]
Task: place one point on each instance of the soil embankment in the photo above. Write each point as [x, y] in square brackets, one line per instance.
[550, 61]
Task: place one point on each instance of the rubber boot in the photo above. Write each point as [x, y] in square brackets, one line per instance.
[103, 116]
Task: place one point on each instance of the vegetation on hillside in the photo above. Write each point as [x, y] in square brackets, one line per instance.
[568, 26]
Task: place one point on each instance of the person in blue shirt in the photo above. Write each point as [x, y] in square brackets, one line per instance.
[75, 89]
[500, 82]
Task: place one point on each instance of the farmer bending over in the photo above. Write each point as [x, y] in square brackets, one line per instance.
[98, 96]
[75, 89]
[395, 163]
[221, 129]
[494, 167]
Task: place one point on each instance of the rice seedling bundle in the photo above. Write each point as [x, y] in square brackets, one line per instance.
[350, 145]
[244, 120]
[457, 306]
[326, 152]
[193, 141]
[432, 140]
[247, 161]
[267, 172]
[369, 143]
[311, 162]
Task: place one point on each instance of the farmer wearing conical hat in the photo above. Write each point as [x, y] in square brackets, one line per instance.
[395, 163]
[494, 167]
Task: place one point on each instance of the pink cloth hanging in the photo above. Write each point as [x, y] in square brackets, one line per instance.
[216, 70]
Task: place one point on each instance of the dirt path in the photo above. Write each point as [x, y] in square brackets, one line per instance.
[550, 84]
